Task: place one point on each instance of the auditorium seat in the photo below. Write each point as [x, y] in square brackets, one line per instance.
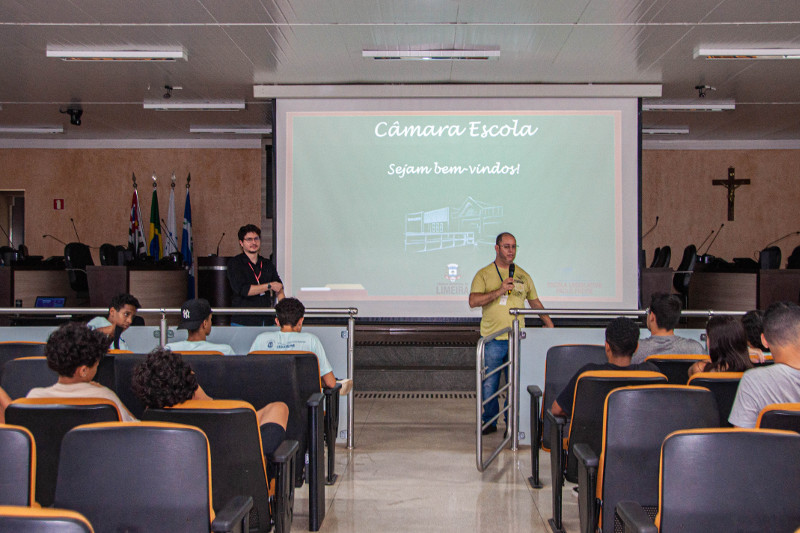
[144, 476]
[237, 459]
[586, 424]
[24, 373]
[77, 257]
[724, 480]
[38, 520]
[780, 416]
[13, 349]
[676, 366]
[561, 363]
[723, 385]
[635, 422]
[48, 420]
[17, 466]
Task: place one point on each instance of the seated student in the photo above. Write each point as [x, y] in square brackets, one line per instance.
[289, 317]
[622, 338]
[196, 317]
[778, 383]
[120, 316]
[753, 322]
[664, 314]
[164, 380]
[74, 351]
[5, 399]
[727, 347]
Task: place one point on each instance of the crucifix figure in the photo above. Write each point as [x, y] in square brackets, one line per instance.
[731, 184]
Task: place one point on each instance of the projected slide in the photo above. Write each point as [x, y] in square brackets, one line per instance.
[393, 212]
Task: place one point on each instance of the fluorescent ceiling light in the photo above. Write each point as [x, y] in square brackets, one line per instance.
[665, 130]
[194, 105]
[747, 53]
[31, 129]
[112, 54]
[432, 55]
[697, 104]
[239, 130]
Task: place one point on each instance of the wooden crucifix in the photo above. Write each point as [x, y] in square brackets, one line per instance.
[731, 184]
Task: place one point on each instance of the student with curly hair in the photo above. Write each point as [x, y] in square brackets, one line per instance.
[164, 380]
[74, 351]
[727, 347]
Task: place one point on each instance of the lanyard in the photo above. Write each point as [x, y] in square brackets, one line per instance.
[260, 270]
[498, 272]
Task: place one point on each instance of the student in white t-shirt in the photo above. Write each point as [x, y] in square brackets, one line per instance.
[196, 318]
[74, 352]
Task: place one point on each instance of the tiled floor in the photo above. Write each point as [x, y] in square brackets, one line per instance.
[413, 469]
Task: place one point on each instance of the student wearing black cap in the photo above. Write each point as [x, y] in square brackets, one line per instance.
[196, 318]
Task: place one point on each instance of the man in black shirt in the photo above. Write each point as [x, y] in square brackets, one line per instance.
[254, 279]
[622, 338]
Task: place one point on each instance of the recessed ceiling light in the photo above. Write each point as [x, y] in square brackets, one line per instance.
[194, 105]
[116, 54]
[665, 130]
[698, 104]
[239, 130]
[32, 129]
[433, 55]
[747, 53]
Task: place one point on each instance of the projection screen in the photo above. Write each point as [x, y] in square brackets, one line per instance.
[391, 206]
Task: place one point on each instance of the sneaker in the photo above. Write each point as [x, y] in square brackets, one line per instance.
[489, 430]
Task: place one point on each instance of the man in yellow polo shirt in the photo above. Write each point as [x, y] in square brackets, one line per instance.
[496, 292]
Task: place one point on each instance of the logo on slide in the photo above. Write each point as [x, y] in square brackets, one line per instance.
[452, 272]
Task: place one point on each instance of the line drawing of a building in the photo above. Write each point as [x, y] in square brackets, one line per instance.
[452, 227]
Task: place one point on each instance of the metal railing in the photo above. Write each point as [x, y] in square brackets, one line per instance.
[509, 388]
[350, 312]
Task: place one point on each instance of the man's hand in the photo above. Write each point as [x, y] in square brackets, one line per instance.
[276, 286]
[508, 285]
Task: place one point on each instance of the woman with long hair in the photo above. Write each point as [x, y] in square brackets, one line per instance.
[727, 347]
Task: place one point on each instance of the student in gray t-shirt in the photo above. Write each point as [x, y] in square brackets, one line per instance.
[662, 317]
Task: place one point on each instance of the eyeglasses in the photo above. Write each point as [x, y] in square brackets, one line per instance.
[252, 239]
[508, 246]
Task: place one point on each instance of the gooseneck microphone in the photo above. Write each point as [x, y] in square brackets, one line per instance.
[704, 240]
[648, 232]
[781, 238]
[218, 243]
[54, 238]
[75, 229]
[511, 268]
[715, 238]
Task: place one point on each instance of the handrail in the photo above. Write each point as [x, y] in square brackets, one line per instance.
[616, 312]
[480, 375]
[350, 312]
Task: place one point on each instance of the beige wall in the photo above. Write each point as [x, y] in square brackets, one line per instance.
[96, 187]
[676, 186]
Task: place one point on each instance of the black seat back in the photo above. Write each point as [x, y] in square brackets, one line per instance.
[636, 422]
[586, 425]
[137, 476]
[681, 280]
[18, 471]
[723, 385]
[730, 480]
[769, 258]
[14, 349]
[108, 254]
[561, 363]
[656, 253]
[780, 416]
[237, 458]
[37, 520]
[676, 366]
[49, 419]
[77, 257]
[793, 261]
[25, 373]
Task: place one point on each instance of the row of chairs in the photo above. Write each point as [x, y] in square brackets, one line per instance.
[639, 417]
[260, 379]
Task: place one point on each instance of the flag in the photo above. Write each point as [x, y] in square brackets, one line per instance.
[136, 242]
[171, 242]
[155, 228]
[187, 246]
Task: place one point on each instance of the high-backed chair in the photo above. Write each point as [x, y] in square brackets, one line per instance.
[724, 386]
[38, 520]
[724, 480]
[17, 466]
[49, 419]
[656, 253]
[681, 279]
[793, 261]
[663, 257]
[561, 363]
[635, 423]
[586, 424]
[24, 373]
[676, 366]
[237, 459]
[14, 349]
[769, 258]
[77, 257]
[780, 416]
[143, 476]
[108, 254]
